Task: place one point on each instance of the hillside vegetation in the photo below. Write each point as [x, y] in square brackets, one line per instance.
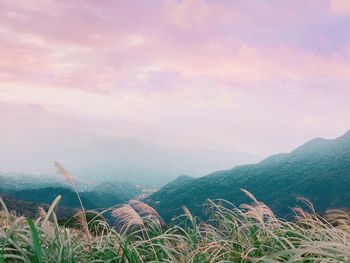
[103, 195]
[250, 233]
[30, 209]
[318, 170]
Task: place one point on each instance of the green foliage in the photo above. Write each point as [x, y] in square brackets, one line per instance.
[45, 195]
[318, 170]
[27, 200]
[251, 233]
[96, 222]
[35, 241]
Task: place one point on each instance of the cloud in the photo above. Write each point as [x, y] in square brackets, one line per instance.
[224, 69]
[340, 6]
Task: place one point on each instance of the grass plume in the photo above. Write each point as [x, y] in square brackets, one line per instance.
[250, 233]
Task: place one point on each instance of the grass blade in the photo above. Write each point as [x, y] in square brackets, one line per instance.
[52, 208]
[36, 241]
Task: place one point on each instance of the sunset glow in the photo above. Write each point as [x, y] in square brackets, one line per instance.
[237, 76]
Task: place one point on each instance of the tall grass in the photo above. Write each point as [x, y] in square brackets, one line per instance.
[250, 233]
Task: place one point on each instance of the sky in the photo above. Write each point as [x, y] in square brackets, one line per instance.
[254, 76]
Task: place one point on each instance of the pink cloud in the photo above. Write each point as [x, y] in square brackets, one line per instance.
[340, 6]
[229, 65]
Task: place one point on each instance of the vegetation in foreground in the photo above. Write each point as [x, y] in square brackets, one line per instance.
[250, 233]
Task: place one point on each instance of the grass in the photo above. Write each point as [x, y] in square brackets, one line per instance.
[250, 233]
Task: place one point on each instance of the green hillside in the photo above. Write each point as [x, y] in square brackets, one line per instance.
[318, 170]
[102, 196]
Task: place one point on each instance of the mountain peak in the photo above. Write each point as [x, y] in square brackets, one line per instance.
[346, 135]
[311, 146]
[319, 170]
[319, 143]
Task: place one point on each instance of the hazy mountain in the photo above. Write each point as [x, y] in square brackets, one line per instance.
[19, 181]
[90, 199]
[96, 151]
[124, 190]
[318, 170]
[44, 190]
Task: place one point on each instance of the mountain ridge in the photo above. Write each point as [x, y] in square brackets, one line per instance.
[96, 150]
[319, 170]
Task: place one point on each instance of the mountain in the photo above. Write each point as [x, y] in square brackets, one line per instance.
[28, 208]
[46, 195]
[25, 199]
[318, 170]
[105, 158]
[31, 189]
[19, 181]
[123, 190]
[97, 151]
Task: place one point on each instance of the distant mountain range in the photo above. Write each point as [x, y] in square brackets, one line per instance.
[318, 170]
[19, 181]
[32, 192]
[99, 151]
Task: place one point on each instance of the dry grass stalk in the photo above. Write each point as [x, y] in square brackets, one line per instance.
[41, 212]
[145, 210]
[127, 216]
[80, 215]
[142, 208]
[63, 171]
[258, 211]
[300, 214]
[187, 213]
[339, 218]
[250, 195]
[308, 203]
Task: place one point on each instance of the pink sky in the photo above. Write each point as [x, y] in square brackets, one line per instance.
[258, 76]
